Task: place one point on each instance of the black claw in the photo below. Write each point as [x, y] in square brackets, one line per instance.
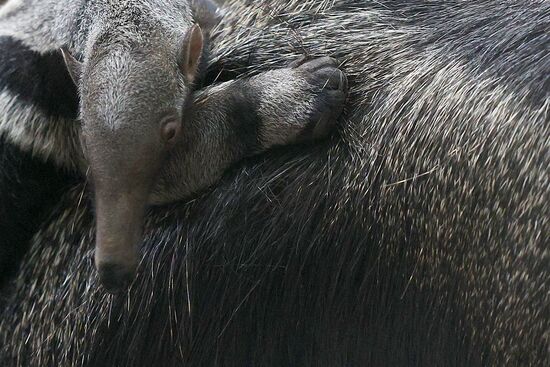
[296, 63]
[343, 82]
[319, 63]
[330, 78]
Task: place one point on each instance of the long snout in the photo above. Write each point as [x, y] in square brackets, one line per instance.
[124, 161]
[119, 218]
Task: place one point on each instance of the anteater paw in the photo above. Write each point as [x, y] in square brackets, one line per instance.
[301, 102]
[329, 86]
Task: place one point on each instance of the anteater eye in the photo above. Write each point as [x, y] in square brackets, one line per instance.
[169, 132]
[170, 128]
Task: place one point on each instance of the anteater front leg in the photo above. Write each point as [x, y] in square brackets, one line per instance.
[240, 118]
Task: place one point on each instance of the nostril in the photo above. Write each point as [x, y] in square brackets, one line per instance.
[115, 278]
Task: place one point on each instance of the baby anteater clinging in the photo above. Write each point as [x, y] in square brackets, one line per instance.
[148, 138]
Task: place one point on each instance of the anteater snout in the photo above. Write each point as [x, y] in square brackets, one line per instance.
[118, 235]
[114, 277]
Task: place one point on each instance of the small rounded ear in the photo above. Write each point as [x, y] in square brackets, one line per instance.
[191, 53]
[73, 65]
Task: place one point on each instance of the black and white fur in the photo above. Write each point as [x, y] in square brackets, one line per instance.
[122, 56]
[416, 237]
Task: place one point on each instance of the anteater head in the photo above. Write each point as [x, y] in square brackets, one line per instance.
[132, 96]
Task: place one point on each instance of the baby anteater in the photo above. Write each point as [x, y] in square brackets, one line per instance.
[146, 136]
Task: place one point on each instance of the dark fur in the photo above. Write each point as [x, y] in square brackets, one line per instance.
[245, 119]
[418, 236]
[30, 186]
[39, 79]
[34, 190]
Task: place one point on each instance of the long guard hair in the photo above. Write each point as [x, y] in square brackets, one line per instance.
[416, 236]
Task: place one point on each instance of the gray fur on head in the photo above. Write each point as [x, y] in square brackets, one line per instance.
[46, 26]
[417, 237]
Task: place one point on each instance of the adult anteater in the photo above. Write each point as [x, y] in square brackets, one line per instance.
[416, 236]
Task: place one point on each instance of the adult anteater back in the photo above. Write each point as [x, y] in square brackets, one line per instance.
[417, 236]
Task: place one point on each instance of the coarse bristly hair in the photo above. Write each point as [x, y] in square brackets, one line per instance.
[416, 236]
